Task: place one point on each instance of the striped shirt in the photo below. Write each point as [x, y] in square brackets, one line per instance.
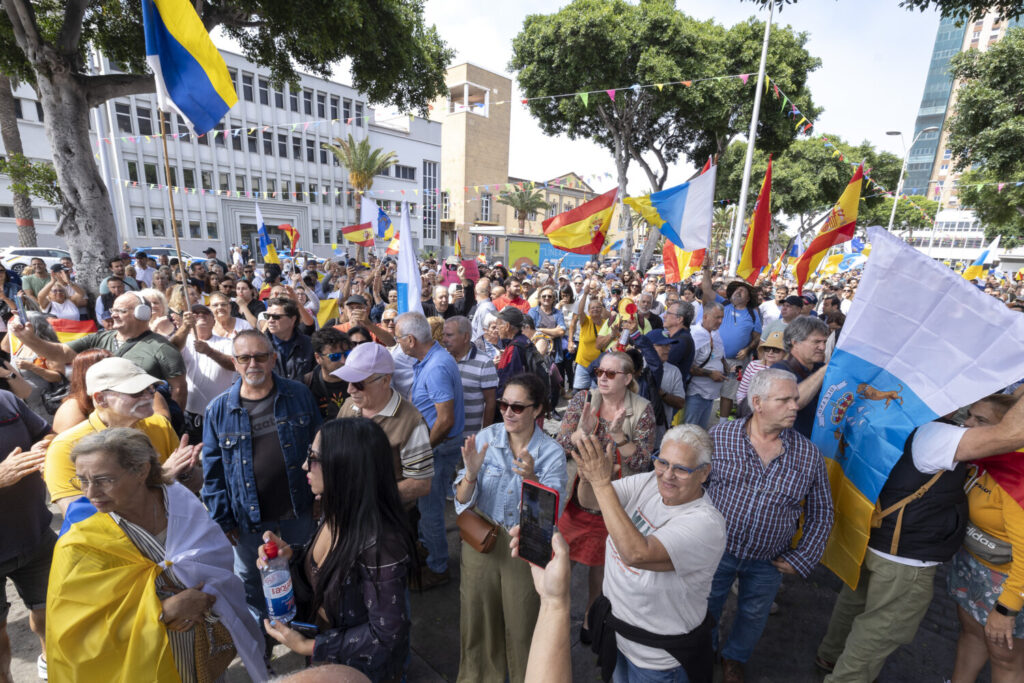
[478, 373]
[762, 503]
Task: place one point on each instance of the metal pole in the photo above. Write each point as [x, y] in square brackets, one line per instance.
[931, 240]
[899, 185]
[742, 208]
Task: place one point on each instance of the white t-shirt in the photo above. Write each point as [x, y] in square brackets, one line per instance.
[205, 378]
[770, 311]
[671, 383]
[934, 449]
[670, 602]
[708, 346]
[66, 311]
[145, 275]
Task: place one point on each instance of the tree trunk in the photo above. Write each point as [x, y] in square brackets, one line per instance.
[92, 236]
[12, 144]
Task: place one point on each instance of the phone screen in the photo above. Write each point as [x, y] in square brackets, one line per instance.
[21, 310]
[537, 517]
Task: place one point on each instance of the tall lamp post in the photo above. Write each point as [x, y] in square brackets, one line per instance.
[903, 168]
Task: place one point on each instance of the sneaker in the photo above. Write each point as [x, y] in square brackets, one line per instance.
[431, 579]
[41, 667]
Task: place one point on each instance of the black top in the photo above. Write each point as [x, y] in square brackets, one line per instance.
[23, 504]
[329, 395]
[268, 465]
[805, 416]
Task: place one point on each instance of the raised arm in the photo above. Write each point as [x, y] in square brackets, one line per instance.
[985, 440]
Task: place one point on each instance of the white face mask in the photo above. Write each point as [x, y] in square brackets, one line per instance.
[125, 404]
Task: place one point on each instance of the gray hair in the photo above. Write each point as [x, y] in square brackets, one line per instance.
[253, 334]
[415, 324]
[801, 328]
[131, 448]
[149, 295]
[41, 326]
[694, 437]
[489, 318]
[440, 289]
[761, 383]
[712, 306]
[462, 324]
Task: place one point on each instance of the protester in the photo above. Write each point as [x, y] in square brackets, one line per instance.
[671, 390]
[790, 309]
[116, 265]
[707, 374]
[513, 296]
[479, 379]
[770, 350]
[209, 368]
[498, 606]
[740, 332]
[292, 348]
[805, 340]
[515, 346]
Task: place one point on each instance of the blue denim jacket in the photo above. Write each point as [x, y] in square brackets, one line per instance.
[497, 489]
[229, 481]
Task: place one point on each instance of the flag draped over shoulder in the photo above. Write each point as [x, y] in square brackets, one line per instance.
[838, 228]
[191, 76]
[410, 286]
[977, 269]
[755, 249]
[267, 248]
[895, 367]
[582, 230]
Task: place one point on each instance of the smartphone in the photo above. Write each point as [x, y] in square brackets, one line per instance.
[21, 310]
[538, 513]
[307, 630]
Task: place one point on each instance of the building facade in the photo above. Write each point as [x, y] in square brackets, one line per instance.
[268, 149]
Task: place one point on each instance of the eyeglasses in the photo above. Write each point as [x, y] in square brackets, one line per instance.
[610, 374]
[361, 386]
[661, 465]
[389, 321]
[314, 458]
[276, 316]
[98, 483]
[258, 357]
[516, 408]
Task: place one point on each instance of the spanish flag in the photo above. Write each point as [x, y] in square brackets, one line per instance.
[393, 246]
[293, 236]
[838, 228]
[755, 249]
[361, 234]
[582, 230]
[679, 263]
[458, 248]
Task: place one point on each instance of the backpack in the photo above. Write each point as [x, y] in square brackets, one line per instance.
[534, 362]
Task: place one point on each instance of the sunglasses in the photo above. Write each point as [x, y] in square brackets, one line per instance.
[361, 386]
[610, 374]
[258, 357]
[276, 316]
[516, 408]
[336, 356]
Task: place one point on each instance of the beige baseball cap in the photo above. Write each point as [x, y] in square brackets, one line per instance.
[117, 374]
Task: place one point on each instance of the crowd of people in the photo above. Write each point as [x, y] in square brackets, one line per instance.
[294, 404]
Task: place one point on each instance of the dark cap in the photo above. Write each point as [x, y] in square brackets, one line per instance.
[513, 316]
[209, 250]
[794, 300]
[810, 297]
[356, 299]
[201, 308]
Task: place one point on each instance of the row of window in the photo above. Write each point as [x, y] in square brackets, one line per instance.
[948, 242]
[158, 228]
[7, 211]
[338, 107]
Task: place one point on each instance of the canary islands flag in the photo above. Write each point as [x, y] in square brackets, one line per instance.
[191, 76]
[977, 269]
[267, 248]
[895, 367]
[369, 212]
[686, 211]
[582, 230]
[410, 286]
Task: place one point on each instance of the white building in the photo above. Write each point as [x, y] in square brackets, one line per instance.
[271, 153]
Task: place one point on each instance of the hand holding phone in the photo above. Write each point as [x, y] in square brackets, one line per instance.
[538, 513]
[19, 300]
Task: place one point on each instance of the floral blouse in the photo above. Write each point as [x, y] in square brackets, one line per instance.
[640, 427]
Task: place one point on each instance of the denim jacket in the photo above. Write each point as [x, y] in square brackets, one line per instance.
[229, 480]
[497, 491]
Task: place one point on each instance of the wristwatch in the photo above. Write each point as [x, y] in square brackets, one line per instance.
[1005, 611]
[620, 445]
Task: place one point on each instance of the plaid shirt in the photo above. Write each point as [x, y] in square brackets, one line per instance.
[762, 504]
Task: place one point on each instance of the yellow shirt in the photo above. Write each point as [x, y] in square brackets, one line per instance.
[58, 469]
[587, 351]
[995, 512]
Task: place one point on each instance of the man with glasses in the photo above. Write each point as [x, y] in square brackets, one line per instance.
[330, 349]
[256, 436]
[293, 350]
[122, 395]
[764, 475]
[677, 319]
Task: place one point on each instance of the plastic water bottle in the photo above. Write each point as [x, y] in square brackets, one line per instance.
[277, 586]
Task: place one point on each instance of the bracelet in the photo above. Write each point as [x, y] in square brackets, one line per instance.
[620, 445]
[471, 481]
[1005, 611]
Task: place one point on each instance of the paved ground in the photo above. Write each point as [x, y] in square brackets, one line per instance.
[785, 653]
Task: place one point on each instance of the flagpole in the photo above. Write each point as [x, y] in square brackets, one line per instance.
[170, 199]
[748, 162]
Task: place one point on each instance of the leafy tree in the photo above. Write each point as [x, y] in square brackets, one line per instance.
[394, 58]
[363, 163]
[524, 202]
[966, 10]
[909, 216]
[592, 45]
[22, 172]
[986, 134]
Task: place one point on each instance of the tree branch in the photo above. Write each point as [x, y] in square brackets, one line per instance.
[71, 29]
[26, 33]
[107, 86]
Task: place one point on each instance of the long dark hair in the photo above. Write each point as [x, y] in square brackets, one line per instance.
[360, 499]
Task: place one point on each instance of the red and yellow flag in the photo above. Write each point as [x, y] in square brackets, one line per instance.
[582, 230]
[838, 228]
[392, 246]
[755, 249]
[680, 264]
[1008, 471]
[458, 248]
[361, 234]
[293, 236]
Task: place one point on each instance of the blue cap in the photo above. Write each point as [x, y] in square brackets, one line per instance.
[658, 338]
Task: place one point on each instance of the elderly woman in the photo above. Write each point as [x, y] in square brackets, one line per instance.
[986, 579]
[43, 375]
[490, 343]
[61, 298]
[141, 586]
[616, 414]
[352, 579]
[224, 324]
[159, 321]
[498, 603]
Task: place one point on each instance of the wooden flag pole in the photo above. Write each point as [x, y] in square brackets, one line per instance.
[174, 224]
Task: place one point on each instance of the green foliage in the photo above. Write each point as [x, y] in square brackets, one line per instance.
[363, 161]
[908, 216]
[592, 45]
[35, 179]
[1000, 211]
[523, 201]
[965, 10]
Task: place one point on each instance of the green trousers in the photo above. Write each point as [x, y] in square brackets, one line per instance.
[869, 623]
[498, 611]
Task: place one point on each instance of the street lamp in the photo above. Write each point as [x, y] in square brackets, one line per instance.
[903, 168]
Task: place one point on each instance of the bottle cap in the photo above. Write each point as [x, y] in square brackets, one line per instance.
[270, 548]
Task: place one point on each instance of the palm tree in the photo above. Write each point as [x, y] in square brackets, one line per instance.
[721, 227]
[524, 202]
[363, 163]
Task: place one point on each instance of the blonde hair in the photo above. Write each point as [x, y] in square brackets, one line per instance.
[436, 327]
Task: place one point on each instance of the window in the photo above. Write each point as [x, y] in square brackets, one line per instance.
[323, 154]
[204, 139]
[271, 187]
[310, 150]
[233, 73]
[334, 107]
[172, 177]
[279, 99]
[39, 109]
[347, 110]
[224, 181]
[338, 196]
[264, 91]
[327, 194]
[405, 172]
[240, 183]
[152, 177]
[315, 233]
[19, 115]
[321, 105]
[268, 143]
[145, 118]
[313, 194]
[219, 137]
[207, 179]
[133, 171]
[236, 137]
[359, 114]
[947, 154]
[183, 133]
[412, 208]
[211, 231]
[286, 190]
[431, 176]
[282, 146]
[190, 177]
[194, 230]
[386, 172]
[293, 100]
[485, 207]
[122, 111]
[296, 147]
[349, 199]
[253, 140]
[158, 227]
[445, 206]
[300, 192]
[385, 205]
[140, 226]
[307, 102]
[247, 94]
[255, 183]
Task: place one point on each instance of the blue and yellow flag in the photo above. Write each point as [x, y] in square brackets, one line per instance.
[267, 248]
[191, 76]
[977, 269]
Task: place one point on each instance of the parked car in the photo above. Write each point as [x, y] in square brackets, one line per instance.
[155, 252]
[17, 258]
